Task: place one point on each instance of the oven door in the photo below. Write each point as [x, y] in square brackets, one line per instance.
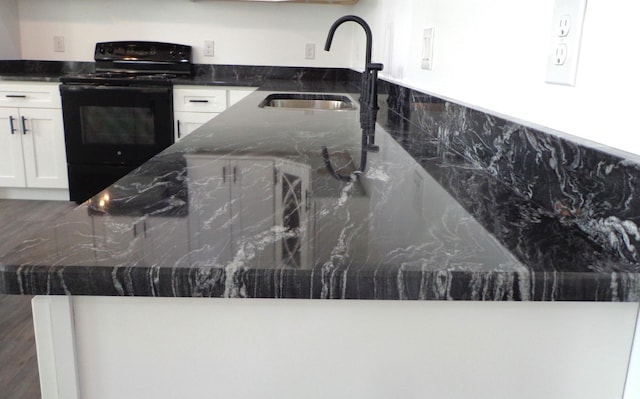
[116, 125]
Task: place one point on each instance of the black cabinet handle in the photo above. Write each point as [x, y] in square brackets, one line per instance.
[224, 174]
[13, 128]
[24, 125]
[198, 101]
[179, 134]
[15, 96]
[235, 175]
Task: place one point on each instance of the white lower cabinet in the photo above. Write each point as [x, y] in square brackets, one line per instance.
[195, 105]
[242, 209]
[187, 122]
[11, 157]
[32, 151]
[33, 161]
[164, 348]
[238, 93]
[221, 223]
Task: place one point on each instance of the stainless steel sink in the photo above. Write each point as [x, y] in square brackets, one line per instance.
[325, 102]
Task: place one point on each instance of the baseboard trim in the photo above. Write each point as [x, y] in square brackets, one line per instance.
[51, 194]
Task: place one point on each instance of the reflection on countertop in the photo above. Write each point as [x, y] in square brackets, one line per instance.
[258, 214]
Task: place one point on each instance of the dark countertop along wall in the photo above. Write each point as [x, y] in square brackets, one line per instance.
[453, 204]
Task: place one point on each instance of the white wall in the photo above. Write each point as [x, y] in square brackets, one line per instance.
[9, 30]
[492, 55]
[244, 33]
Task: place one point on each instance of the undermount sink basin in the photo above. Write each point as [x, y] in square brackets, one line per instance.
[325, 102]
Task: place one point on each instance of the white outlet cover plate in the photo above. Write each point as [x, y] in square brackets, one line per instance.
[209, 48]
[58, 44]
[566, 32]
[310, 51]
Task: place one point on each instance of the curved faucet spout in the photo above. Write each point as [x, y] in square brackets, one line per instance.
[358, 20]
[369, 88]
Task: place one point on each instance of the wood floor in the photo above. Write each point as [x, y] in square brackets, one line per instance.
[18, 363]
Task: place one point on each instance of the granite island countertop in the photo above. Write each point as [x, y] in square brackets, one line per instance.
[247, 206]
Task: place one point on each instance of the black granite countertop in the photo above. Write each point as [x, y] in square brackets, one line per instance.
[29, 77]
[281, 203]
[202, 74]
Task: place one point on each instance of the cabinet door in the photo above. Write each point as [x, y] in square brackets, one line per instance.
[252, 201]
[43, 145]
[292, 206]
[209, 210]
[238, 94]
[187, 122]
[11, 159]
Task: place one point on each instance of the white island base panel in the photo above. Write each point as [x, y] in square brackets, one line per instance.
[136, 347]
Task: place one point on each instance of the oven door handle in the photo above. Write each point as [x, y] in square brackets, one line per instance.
[124, 89]
[136, 62]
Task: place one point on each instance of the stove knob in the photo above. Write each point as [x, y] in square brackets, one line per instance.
[101, 49]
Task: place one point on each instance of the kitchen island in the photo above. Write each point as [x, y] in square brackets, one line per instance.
[283, 206]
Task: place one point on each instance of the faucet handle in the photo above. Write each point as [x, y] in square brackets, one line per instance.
[375, 66]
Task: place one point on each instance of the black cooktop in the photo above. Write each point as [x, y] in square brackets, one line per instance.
[120, 78]
[136, 62]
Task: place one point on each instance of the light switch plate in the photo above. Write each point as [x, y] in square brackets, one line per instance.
[564, 44]
[427, 48]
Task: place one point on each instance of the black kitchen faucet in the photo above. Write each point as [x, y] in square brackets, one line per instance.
[369, 89]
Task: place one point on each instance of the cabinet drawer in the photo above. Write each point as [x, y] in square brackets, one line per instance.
[28, 95]
[199, 99]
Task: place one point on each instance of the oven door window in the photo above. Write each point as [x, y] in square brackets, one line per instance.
[117, 125]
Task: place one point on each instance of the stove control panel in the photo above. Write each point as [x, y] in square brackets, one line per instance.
[142, 51]
[143, 57]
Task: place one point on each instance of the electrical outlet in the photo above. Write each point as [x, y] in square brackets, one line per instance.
[564, 45]
[560, 54]
[564, 25]
[310, 51]
[427, 48]
[58, 44]
[208, 48]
